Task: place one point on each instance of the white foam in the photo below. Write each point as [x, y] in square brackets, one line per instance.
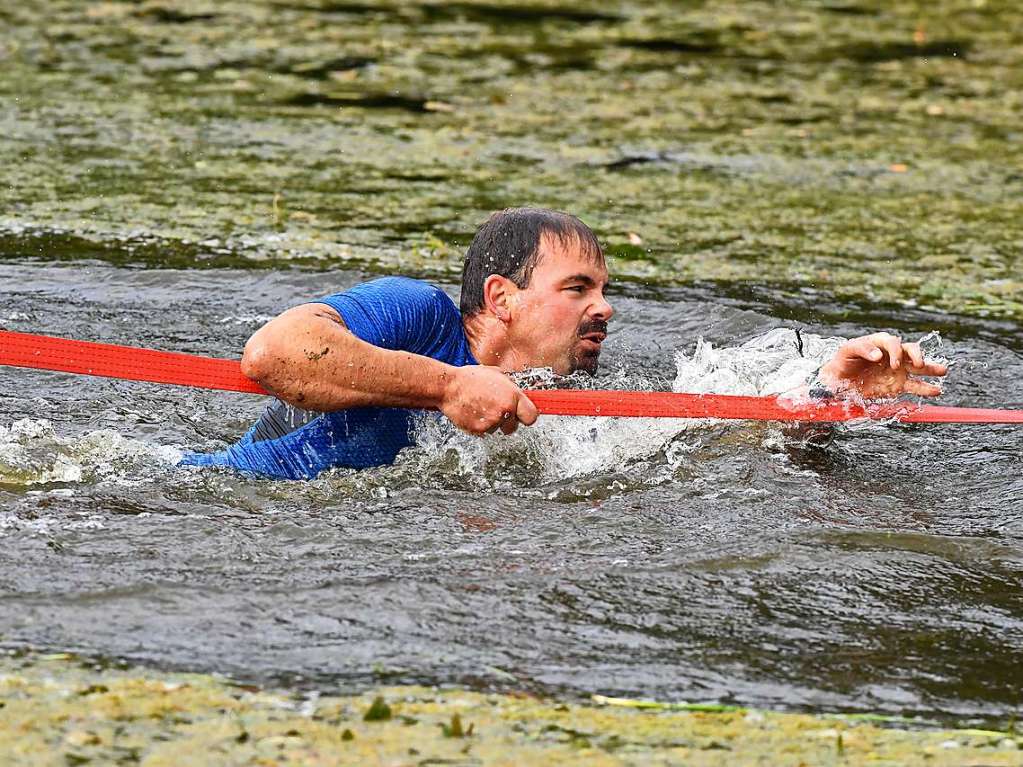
[566, 447]
[765, 365]
[31, 453]
[246, 319]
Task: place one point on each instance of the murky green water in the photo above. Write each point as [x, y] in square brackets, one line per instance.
[744, 142]
[175, 174]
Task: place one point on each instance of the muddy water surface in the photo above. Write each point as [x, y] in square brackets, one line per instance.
[175, 174]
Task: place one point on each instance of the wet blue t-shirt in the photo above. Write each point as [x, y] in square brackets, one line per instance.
[395, 313]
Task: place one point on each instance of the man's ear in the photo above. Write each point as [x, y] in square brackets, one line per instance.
[498, 294]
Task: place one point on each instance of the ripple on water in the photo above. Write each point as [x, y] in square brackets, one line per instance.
[666, 559]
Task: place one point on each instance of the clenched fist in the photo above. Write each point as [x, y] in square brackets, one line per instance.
[480, 399]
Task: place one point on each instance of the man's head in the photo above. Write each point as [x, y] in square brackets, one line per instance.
[538, 277]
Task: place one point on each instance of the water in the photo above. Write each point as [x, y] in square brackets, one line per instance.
[176, 174]
[668, 559]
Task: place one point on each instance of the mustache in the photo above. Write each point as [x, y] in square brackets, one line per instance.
[593, 326]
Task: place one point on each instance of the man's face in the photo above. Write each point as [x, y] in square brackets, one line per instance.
[560, 319]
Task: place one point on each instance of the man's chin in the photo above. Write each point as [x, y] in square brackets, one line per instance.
[587, 363]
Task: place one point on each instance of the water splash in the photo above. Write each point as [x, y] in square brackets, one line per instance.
[31, 453]
[555, 450]
[777, 362]
[249, 319]
[560, 448]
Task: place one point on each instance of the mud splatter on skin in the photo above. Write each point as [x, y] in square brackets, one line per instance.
[867, 149]
[61, 710]
[317, 356]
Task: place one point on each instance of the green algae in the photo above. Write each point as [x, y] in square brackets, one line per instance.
[870, 150]
[378, 711]
[59, 710]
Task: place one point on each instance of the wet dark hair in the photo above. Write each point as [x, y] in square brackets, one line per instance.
[508, 244]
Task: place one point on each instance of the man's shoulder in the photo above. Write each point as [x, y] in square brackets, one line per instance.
[393, 289]
[401, 286]
[397, 312]
[392, 302]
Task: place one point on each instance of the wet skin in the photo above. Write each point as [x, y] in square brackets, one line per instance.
[559, 320]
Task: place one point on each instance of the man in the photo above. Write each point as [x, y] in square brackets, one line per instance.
[350, 370]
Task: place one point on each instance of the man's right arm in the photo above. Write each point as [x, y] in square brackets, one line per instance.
[308, 358]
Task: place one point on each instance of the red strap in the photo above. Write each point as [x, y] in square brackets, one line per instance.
[25, 350]
[671, 405]
[64, 355]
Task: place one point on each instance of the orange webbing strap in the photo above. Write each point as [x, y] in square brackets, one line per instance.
[26, 350]
[129, 363]
[672, 405]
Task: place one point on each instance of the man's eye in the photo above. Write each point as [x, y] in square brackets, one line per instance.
[577, 288]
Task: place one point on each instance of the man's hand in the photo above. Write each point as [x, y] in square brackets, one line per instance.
[880, 365]
[481, 399]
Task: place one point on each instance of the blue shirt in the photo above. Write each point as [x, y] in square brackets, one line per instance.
[395, 313]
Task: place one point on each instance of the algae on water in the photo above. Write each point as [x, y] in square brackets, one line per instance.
[57, 710]
[867, 149]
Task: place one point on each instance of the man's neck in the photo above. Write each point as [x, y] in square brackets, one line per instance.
[488, 342]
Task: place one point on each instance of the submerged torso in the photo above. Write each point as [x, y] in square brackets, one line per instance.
[290, 443]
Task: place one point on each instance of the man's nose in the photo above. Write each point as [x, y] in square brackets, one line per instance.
[603, 310]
